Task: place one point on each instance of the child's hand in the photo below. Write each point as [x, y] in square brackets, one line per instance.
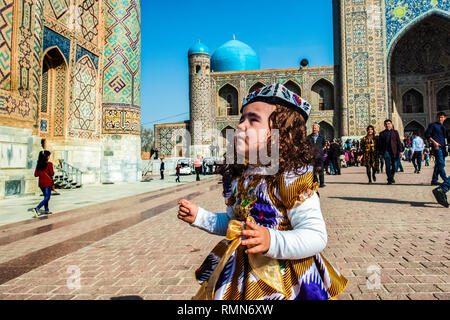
[260, 238]
[187, 211]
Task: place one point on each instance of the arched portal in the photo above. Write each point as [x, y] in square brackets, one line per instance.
[412, 102]
[255, 87]
[416, 127]
[443, 99]
[53, 95]
[322, 95]
[418, 63]
[326, 130]
[228, 101]
[223, 135]
[291, 85]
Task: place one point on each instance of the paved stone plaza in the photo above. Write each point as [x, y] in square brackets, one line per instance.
[17, 209]
[136, 246]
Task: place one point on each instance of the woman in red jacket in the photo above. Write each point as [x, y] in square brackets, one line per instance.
[44, 170]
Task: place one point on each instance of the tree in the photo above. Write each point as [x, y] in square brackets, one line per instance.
[147, 139]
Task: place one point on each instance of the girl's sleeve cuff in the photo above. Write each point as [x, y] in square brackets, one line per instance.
[200, 220]
[272, 247]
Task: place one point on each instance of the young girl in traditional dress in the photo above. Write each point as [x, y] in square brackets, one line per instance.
[273, 223]
[369, 153]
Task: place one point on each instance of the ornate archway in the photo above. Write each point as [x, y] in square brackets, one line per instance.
[228, 101]
[255, 87]
[412, 127]
[322, 95]
[326, 130]
[418, 63]
[291, 85]
[443, 99]
[52, 109]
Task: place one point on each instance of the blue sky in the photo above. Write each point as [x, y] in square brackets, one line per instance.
[281, 32]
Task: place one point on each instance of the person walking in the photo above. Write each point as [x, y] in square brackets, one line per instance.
[436, 134]
[204, 167]
[161, 168]
[198, 167]
[398, 165]
[334, 154]
[44, 170]
[417, 151]
[426, 156]
[177, 169]
[391, 149]
[326, 159]
[317, 140]
[369, 157]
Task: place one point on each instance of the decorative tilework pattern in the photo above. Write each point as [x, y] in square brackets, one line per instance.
[25, 51]
[59, 10]
[400, 13]
[6, 28]
[424, 50]
[81, 52]
[54, 39]
[44, 95]
[122, 57]
[88, 11]
[359, 28]
[361, 113]
[37, 49]
[362, 66]
[60, 101]
[43, 125]
[121, 82]
[361, 69]
[166, 140]
[83, 112]
[121, 119]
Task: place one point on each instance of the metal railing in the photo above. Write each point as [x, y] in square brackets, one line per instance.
[71, 174]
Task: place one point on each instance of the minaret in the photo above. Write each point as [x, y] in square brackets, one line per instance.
[201, 111]
[121, 158]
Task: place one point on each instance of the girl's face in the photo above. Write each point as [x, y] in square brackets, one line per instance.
[370, 131]
[254, 128]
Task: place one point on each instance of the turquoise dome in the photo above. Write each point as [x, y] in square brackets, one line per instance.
[234, 55]
[199, 47]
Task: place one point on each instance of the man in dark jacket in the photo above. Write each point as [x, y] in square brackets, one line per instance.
[318, 143]
[390, 148]
[334, 154]
[436, 134]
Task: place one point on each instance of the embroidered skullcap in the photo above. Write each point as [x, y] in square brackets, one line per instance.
[279, 94]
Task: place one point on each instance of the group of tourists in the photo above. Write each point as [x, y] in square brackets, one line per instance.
[386, 150]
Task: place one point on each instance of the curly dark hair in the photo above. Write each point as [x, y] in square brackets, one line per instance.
[373, 128]
[295, 151]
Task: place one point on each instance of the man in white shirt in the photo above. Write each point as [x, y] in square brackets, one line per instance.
[417, 151]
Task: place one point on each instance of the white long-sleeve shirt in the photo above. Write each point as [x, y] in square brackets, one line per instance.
[417, 144]
[307, 238]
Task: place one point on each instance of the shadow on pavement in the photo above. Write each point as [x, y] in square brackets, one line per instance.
[127, 298]
[383, 183]
[383, 200]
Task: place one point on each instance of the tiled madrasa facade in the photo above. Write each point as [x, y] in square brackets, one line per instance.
[392, 61]
[69, 74]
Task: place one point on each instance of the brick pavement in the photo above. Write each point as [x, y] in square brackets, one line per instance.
[398, 229]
